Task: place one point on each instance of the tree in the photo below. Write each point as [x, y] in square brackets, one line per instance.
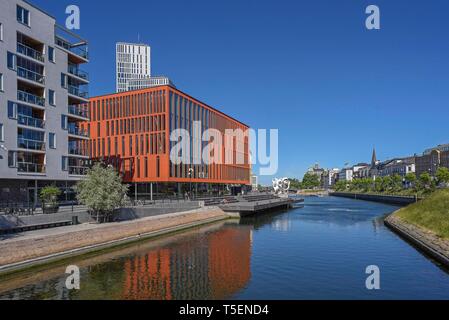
[310, 181]
[49, 197]
[396, 183]
[442, 175]
[340, 185]
[295, 183]
[102, 191]
[410, 178]
[425, 181]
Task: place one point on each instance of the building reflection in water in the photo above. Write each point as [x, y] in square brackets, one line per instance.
[215, 265]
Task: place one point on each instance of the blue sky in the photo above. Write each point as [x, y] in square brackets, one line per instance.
[309, 68]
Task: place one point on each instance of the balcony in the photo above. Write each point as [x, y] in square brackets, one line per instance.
[78, 132]
[30, 121]
[28, 144]
[74, 70]
[72, 43]
[79, 171]
[79, 111]
[76, 150]
[30, 75]
[29, 52]
[30, 98]
[77, 91]
[28, 167]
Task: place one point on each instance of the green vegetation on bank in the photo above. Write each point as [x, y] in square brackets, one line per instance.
[410, 185]
[431, 213]
[309, 181]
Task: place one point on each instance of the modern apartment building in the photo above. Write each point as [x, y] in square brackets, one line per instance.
[136, 84]
[131, 131]
[133, 62]
[44, 97]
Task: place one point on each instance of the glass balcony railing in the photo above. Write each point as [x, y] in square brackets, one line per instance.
[29, 167]
[76, 151]
[30, 144]
[77, 91]
[79, 171]
[30, 75]
[30, 121]
[29, 52]
[78, 72]
[30, 98]
[80, 51]
[77, 132]
[79, 111]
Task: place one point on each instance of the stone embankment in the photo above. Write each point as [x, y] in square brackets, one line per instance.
[434, 246]
[41, 246]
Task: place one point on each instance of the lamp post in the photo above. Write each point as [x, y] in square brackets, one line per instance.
[190, 176]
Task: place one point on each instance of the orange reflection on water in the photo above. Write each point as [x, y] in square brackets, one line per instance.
[214, 265]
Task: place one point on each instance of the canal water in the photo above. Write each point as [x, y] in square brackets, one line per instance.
[320, 251]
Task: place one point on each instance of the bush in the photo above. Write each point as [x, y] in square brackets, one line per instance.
[102, 191]
[49, 195]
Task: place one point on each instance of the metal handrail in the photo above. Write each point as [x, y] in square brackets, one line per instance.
[77, 91]
[30, 167]
[30, 75]
[30, 98]
[30, 121]
[79, 111]
[78, 72]
[30, 144]
[29, 52]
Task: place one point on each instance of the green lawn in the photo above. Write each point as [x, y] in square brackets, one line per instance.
[431, 213]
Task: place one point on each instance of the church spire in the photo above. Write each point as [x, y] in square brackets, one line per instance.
[374, 158]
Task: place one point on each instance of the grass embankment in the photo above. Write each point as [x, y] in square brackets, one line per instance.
[431, 213]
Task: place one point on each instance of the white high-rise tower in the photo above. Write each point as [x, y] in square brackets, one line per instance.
[133, 62]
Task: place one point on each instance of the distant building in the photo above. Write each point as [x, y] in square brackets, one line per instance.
[399, 166]
[137, 84]
[431, 162]
[133, 62]
[346, 174]
[133, 68]
[360, 169]
[330, 177]
[254, 182]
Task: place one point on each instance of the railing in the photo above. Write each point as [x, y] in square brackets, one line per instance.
[79, 171]
[30, 121]
[30, 98]
[30, 144]
[77, 50]
[29, 52]
[30, 75]
[78, 92]
[77, 151]
[29, 167]
[78, 132]
[79, 111]
[78, 72]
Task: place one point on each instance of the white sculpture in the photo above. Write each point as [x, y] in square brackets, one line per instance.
[281, 186]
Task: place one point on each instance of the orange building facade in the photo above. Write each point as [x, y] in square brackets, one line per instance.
[131, 131]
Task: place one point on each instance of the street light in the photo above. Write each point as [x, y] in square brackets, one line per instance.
[190, 175]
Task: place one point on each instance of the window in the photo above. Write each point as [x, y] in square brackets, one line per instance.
[52, 140]
[64, 164]
[1, 81]
[2, 133]
[63, 80]
[12, 110]
[23, 15]
[64, 122]
[11, 60]
[12, 159]
[1, 31]
[51, 97]
[51, 54]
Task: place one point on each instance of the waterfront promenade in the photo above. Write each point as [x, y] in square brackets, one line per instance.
[36, 247]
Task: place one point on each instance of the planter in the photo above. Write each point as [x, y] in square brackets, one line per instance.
[50, 208]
